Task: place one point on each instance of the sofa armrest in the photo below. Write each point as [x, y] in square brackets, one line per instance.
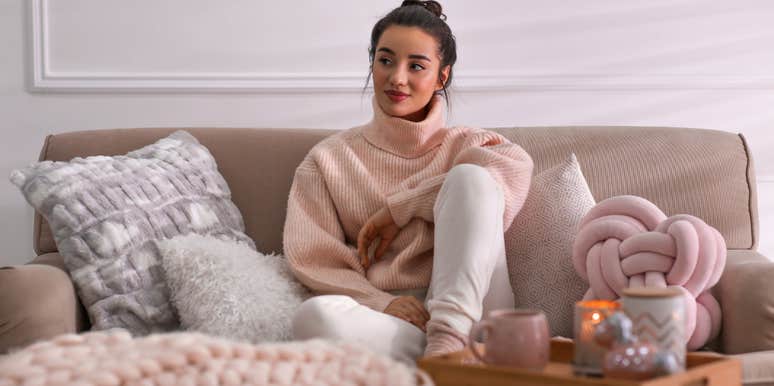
[54, 259]
[37, 301]
[746, 296]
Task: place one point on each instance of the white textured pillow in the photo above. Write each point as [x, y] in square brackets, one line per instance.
[227, 289]
[539, 244]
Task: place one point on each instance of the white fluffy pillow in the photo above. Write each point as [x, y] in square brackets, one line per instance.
[226, 289]
[539, 244]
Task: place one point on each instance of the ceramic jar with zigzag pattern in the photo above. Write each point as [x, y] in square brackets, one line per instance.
[658, 317]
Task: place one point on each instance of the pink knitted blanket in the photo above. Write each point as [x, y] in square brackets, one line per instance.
[113, 357]
[626, 241]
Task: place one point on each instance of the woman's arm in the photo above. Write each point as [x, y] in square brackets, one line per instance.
[508, 164]
[315, 245]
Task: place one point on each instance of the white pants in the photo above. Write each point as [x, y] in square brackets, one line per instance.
[469, 274]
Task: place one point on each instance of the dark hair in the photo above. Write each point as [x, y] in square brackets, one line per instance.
[427, 15]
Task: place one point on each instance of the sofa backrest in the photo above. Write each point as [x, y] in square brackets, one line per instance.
[706, 173]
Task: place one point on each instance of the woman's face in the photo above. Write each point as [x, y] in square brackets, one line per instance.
[405, 71]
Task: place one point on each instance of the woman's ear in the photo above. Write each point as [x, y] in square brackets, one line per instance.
[443, 76]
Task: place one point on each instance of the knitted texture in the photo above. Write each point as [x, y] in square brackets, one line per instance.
[626, 241]
[106, 214]
[394, 163]
[113, 357]
[443, 339]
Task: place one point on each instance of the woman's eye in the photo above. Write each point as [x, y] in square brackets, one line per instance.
[417, 67]
[384, 61]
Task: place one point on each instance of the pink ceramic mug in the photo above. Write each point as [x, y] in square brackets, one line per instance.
[517, 338]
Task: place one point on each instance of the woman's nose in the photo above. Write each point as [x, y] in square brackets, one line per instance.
[398, 77]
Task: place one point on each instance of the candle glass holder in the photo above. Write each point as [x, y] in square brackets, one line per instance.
[658, 317]
[589, 355]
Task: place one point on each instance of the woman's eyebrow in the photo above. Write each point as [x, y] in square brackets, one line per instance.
[421, 57]
[412, 56]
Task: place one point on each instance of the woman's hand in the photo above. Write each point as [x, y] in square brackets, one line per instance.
[380, 224]
[409, 309]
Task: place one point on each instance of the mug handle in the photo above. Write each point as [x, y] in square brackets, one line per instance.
[475, 332]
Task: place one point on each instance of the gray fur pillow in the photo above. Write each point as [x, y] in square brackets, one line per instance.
[539, 245]
[227, 289]
[106, 214]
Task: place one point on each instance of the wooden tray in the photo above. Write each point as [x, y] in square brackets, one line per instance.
[702, 369]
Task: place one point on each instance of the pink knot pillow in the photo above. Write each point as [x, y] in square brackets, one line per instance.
[626, 241]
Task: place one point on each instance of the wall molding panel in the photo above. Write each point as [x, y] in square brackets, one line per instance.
[45, 77]
[99, 64]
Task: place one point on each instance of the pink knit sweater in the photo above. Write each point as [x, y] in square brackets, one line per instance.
[392, 162]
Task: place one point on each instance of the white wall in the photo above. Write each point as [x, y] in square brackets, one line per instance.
[88, 64]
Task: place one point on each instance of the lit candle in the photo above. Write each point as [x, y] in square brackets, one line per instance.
[589, 354]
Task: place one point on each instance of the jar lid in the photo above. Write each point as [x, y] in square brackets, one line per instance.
[652, 292]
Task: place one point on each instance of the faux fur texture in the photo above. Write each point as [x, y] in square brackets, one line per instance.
[106, 214]
[227, 289]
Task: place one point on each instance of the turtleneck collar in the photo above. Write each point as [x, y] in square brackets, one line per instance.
[403, 137]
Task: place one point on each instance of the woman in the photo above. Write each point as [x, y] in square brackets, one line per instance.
[400, 222]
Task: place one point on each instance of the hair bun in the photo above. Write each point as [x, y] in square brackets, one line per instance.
[430, 5]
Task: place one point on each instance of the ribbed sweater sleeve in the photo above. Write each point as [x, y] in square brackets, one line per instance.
[508, 164]
[314, 243]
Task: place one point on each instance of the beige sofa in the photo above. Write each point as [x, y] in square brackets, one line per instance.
[702, 172]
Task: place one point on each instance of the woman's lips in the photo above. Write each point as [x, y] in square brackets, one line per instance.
[396, 96]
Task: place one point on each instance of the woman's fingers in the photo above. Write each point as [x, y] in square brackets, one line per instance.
[425, 312]
[420, 323]
[383, 245]
[380, 224]
[413, 318]
[419, 307]
[418, 312]
[410, 309]
[363, 242]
